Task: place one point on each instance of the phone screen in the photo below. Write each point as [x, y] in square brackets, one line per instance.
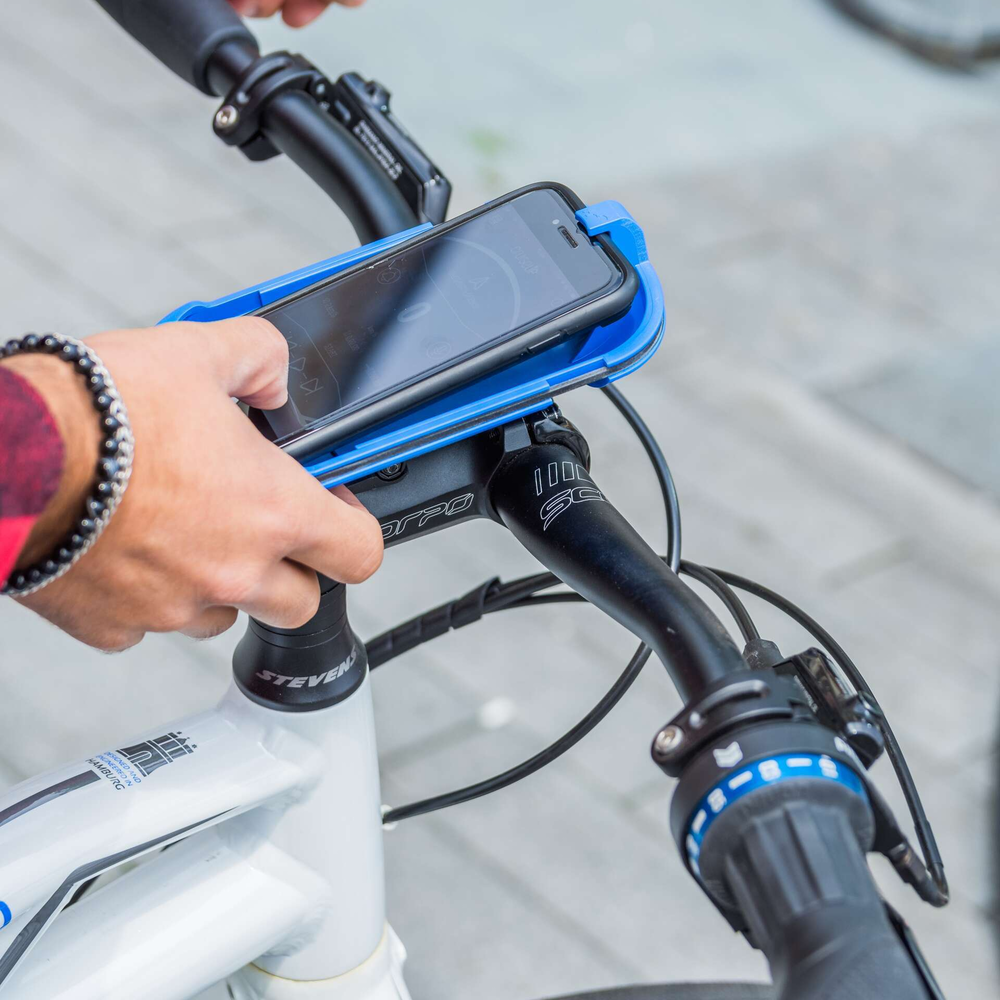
[389, 324]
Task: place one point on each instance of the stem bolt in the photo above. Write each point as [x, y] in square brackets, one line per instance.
[391, 472]
[226, 117]
[668, 740]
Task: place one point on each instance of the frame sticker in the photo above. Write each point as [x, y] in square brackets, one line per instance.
[128, 766]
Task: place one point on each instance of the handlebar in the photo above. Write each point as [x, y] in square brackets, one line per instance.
[205, 43]
[555, 510]
[325, 150]
[182, 34]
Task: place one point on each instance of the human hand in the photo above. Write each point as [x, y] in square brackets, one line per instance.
[296, 13]
[215, 517]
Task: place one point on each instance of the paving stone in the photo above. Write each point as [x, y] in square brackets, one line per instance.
[537, 831]
[27, 280]
[415, 707]
[141, 278]
[253, 246]
[727, 457]
[946, 407]
[952, 522]
[778, 302]
[458, 911]
[108, 154]
[72, 701]
[726, 89]
[85, 48]
[965, 806]
[898, 217]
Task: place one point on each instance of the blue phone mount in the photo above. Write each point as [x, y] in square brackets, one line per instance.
[592, 357]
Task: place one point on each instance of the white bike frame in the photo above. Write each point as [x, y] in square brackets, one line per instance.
[276, 882]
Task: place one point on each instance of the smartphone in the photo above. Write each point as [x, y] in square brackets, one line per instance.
[454, 303]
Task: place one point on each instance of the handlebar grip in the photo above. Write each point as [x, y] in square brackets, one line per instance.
[182, 34]
[799, 877]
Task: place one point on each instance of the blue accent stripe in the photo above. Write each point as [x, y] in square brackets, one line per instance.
[4, 914]
[742, 781]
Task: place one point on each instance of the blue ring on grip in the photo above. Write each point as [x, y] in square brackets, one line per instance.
[742, 781]
[5, 914]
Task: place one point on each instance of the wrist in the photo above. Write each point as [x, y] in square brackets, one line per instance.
[71, 408]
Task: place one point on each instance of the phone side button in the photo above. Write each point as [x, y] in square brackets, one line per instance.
[548, 342]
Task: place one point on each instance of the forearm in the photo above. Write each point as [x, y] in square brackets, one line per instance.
[49, 436]
[215, 517]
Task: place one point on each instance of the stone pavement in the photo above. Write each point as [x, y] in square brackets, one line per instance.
[823, 212]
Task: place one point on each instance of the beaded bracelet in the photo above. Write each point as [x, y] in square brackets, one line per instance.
[113, 467]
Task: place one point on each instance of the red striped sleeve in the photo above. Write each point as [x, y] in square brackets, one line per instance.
[31, 463]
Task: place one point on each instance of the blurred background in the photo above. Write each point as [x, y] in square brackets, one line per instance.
[822, 207]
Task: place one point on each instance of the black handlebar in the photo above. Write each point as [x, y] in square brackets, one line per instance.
[328, 153]
[555, 510]
[205, 43]
[182, 34]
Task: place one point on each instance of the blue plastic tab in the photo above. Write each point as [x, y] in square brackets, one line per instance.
[612, 218]
[593, 357]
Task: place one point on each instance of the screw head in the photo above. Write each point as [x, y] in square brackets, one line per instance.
[391, 472]
[226, 117]
[668, 739]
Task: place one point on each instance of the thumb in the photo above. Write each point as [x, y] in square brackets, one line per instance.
[247, 355]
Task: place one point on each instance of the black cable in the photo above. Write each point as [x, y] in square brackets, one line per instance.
[570, 597]
[664, 477]
[921, 824]
[539, 760]
[487, 597]
[725, 593]
[523, 593]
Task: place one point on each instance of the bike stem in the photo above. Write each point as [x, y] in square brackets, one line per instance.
[531, 475]
[553, 507]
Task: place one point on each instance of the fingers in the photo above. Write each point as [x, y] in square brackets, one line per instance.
[287, 597]
[299, 13]
[256, 8]
[248, 357]
[210, 623]
[336, 535]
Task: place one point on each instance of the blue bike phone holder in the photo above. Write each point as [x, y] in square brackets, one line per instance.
[592, 357]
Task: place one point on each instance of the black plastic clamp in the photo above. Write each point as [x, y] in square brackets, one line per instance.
[551, 427]
[737, 700]
[238, 120]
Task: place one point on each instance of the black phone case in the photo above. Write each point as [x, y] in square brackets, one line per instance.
[452, 375]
